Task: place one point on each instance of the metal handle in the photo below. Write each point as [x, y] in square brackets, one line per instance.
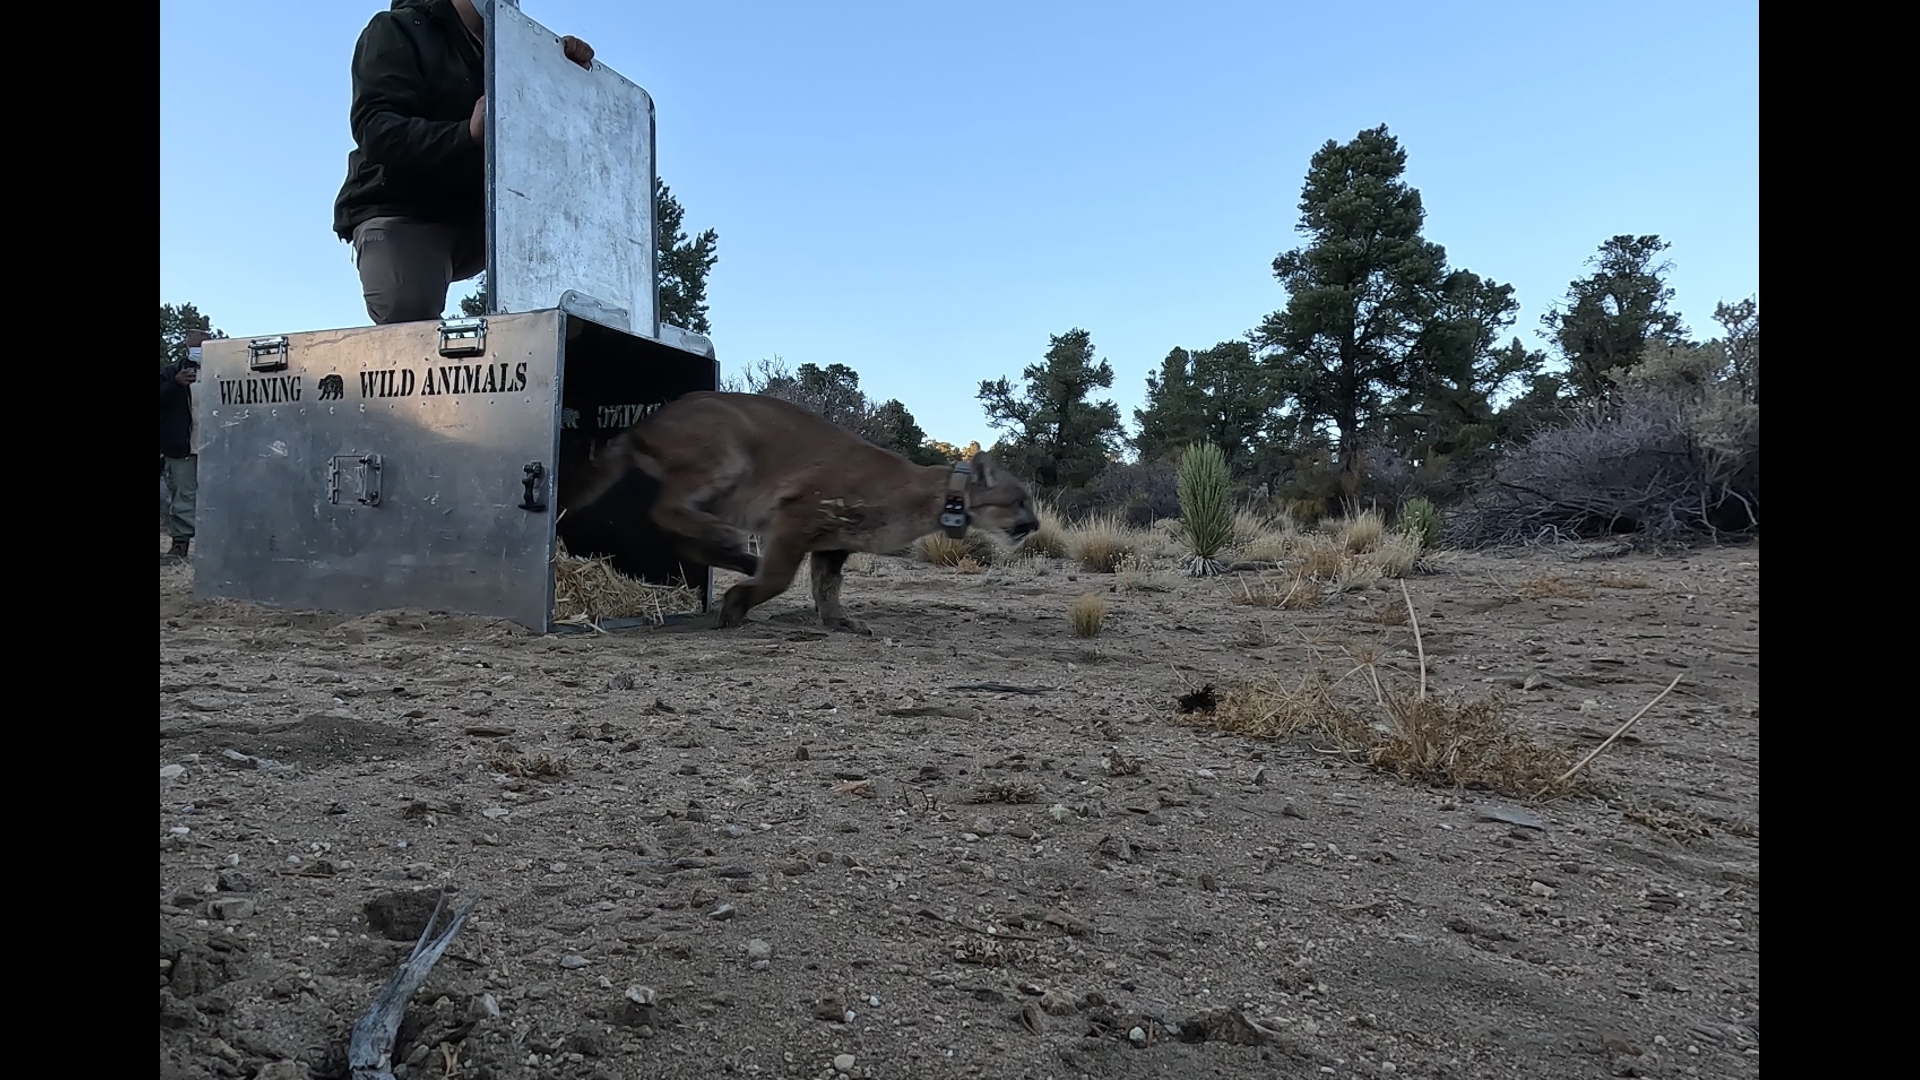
[463, 337]
[533, 477]
[267, 354]
[369, 466]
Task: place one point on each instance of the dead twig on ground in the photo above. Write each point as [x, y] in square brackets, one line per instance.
[1617, 732]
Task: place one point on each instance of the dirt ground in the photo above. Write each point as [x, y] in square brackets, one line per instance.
[699, 853]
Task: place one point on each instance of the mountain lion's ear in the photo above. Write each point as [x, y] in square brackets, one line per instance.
[983, 469]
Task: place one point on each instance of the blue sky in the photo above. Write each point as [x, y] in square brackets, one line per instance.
[927, 192]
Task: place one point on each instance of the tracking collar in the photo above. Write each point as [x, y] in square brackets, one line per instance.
[953, 516]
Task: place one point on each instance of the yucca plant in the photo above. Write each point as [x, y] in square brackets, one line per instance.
[1206, 506]
[1420, 520]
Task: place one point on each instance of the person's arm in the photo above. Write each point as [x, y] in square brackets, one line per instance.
[386, 99]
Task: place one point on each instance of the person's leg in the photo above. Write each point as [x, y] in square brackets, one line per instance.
[183, 476]
[405, 267]
[469, 254]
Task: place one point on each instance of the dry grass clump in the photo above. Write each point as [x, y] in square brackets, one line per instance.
[1551, 587]
[591, 591]
[1088, 615]
[1357, 575]
[1099, 544]
[1614, 579]
[1049, 541]
[1319, 556]
[1268, 546]
[1137, 573]
[1361, 533]
[968, 554]
[1465, 744]
[1395, 555]
[1290, 591]
[1418, 737]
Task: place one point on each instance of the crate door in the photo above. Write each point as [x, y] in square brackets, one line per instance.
[570, 172]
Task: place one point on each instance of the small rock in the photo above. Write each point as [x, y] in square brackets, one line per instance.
[843, 1062]
[800, 753]
[573, 961]
[231, 880]
[1289, 811]
[759, 950]
[724, 911]
[1138, 1036]
[1617, 1043]
[622, 681]
[172, 772]
[484, 1007]
[1509, 815]
[732, 832]
[1260, 776]
[1536, 681]
[643, 996]
[233, 907]
[873, 1001]
[1545, 892]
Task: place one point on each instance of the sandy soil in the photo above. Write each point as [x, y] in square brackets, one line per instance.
[799, 845]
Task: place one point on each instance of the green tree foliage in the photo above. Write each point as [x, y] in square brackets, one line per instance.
[175, 321]
[682, 264]
[1375, 321]
[1058, 436]
[1608, 318]
[1741, 322]
[1457, 372]
[1222, 396]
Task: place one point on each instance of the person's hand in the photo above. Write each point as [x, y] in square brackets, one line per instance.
[477, 123]
[577, 51]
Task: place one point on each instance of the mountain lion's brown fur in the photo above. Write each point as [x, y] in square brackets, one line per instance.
[735, 465]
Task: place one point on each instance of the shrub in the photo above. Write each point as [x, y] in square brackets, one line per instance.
[1421, 521]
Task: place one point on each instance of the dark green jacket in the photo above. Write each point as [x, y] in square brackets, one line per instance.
[416, 75]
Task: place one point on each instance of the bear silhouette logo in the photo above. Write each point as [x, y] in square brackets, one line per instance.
[331, 387]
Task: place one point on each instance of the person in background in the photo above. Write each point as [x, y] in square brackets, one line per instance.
[178, 442]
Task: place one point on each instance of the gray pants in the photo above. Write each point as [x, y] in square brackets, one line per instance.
[406, 266]
[183, 476]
